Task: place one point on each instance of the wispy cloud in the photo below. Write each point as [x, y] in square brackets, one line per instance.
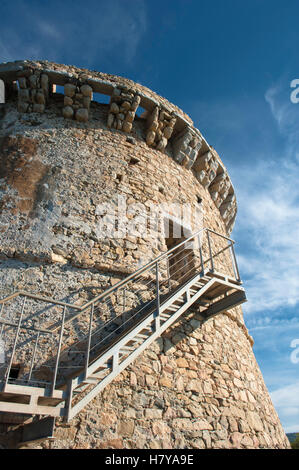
[65, 32]
[258, 140]
[268, 221]
[286, 402]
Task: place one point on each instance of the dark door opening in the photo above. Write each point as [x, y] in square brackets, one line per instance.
[14, 371]
[181, 260]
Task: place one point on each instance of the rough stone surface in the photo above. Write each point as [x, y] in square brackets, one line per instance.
[166, 126]
[198, 386]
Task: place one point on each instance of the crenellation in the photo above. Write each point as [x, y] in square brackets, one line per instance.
[77, 99]
[33, 93]
[186, 146]
[227, 206]
[207, 168]
[123, 106]
[220, 188]
[163, 123]
[160, 125]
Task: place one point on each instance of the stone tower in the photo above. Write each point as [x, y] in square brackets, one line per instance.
[92, 190]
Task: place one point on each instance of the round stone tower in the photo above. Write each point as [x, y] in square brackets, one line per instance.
[92, 190]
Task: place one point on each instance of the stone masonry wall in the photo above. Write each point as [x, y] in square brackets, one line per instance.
[167, 127]
[198, 386]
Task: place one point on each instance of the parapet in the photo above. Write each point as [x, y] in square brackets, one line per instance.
[166, 126]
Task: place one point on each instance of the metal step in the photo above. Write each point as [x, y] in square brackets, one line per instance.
[127, 348]
[139, 335]
[165, 315]
[112, 354]
[171, 308]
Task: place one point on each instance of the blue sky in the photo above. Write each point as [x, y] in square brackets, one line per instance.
[229, 65]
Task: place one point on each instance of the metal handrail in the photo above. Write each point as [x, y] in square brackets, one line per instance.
[127, 279]
[118, 284]
[154, 278]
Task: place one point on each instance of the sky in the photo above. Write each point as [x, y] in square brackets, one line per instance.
[229, 65]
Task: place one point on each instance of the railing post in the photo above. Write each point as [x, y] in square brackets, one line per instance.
[168, 273]
[200, 254]
[58, 350]
[1, 313]
[157, 320]
[68, 401]
[234, 261]
[124, 299]
[15, 343]
[88, 341]
[115, 361]
[210, 251]
[33, 356]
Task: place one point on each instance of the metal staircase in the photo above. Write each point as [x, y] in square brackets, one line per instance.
[60, 355]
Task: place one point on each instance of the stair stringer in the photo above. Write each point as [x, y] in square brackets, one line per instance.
[153, 320]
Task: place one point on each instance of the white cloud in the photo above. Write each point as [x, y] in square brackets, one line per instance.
[49, 29]
[258, 139]
[268, 218]
[286, 401]
[94, 31]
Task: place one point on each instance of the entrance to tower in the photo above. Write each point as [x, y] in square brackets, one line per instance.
[181, 260]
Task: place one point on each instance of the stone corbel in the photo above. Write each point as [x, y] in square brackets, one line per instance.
[160, 125]
[33, 92]
[77, 98]
[228, 205]
[231, 219]
[219, 188]
[205, 168]
[186, 146]
[123, 107]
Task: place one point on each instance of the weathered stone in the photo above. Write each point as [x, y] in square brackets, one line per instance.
[130, 116]
[22, 82]
[126, 428]
[126, 105]
[110, 120]
[166, 382]
[254, 421]
[114, 108]
[68, 112]
[154, 127]
[168, 132]
[150, 137]
[153, 413]
[23, 107]
[162, 144]
[33, 80]
[40, 98]
[194, 386]
[135, 103]
[67, 101]
[188, 389]
[38, 108]
[24, 95]
[127, 126]
[82, 115]
[69, 90]
[86, 91]
[86, 102]
[44, 83]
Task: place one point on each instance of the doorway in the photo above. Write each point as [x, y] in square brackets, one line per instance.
[181, 262]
